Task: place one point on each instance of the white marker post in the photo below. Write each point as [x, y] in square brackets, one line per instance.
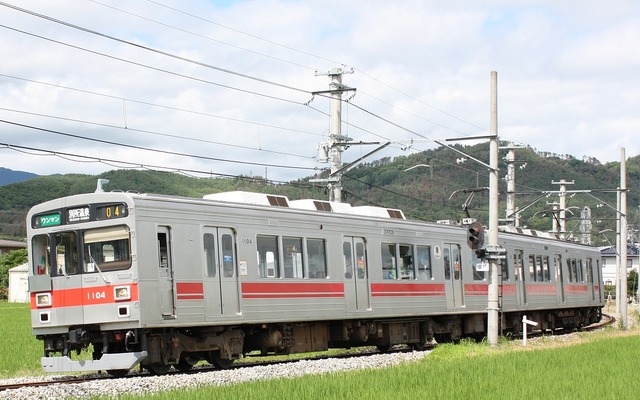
[526, 322]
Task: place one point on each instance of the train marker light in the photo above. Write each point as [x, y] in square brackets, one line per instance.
[122, 293]
[43, 300]
[475, 236]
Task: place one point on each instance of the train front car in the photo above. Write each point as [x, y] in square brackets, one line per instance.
[83, 283]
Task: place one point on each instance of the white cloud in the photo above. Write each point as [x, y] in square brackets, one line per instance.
[567, 73]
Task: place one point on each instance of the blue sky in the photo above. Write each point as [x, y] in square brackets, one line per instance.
[567, 80]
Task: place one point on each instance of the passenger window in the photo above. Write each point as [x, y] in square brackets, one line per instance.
[228, 265]
[348, 260]
[292, 257]
[532, 268]
[457, 266]
[388, 251]
[518, 268]
[423, 262]
[589, 270]
[504, 269]
[268, 257]
[40, 254]
[209, 254]
[66, 253]
[406, 262]
[579, 271]
[361, 261]
[539, 269]
[446, 258]
[546, 275]
[477, 275]
[317, 258]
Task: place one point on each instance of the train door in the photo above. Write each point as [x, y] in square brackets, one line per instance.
[518, 265]
[557, 264]
[165, 272]
[453, 275]
[66, 278]
[221, 269]
[356, 291]
[589, 271]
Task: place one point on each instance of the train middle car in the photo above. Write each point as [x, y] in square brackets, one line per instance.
[167, 281]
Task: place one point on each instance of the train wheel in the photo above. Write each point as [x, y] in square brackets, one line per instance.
[219, 362]
[383, 348]
[186, 362]
[158, 368]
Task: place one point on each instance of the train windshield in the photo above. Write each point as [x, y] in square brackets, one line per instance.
[106, 249]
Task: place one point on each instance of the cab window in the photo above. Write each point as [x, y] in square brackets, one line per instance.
[106, 249]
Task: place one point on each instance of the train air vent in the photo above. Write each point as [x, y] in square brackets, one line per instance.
[278, 201]
[322, 205]
[397, 214]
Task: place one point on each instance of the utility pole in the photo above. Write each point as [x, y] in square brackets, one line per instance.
[512, 214]
[562, 213]
[493, 306]
[332, 149]
[623, 240]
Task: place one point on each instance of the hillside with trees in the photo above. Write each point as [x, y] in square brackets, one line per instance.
[429, 193]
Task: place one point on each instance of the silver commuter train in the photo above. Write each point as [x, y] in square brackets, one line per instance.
[167, 281]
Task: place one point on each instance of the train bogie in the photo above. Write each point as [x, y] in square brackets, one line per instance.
[165, 281]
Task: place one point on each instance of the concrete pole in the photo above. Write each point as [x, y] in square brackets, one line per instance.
[493, 305]
[623, 240]
[618, 250]
[511, 185]
[335, 132]
[562, 212]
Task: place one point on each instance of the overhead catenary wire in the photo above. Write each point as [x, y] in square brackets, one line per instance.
[132, 165]
[173, 153]
[150, 49]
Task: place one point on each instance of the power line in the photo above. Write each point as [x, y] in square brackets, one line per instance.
[130, 165]
[173, 153]
[140, 46]
[245, 33]
[129, 129]
[146, 103]
[199, 35]
[149, 66]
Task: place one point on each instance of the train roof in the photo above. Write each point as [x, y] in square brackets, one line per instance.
[305, 204]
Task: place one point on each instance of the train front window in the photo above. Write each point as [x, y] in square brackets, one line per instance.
[40, 254]
[106, 249]
[66, 253]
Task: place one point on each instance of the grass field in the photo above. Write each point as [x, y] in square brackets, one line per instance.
[20, 352]
[598, 365]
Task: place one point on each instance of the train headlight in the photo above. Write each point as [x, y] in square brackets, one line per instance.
[43, 300]
[122, 293]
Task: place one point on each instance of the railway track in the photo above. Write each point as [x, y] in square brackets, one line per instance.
[67, 380]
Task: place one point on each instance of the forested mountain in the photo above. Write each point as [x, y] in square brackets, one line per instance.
[427, 193]
[8, 176]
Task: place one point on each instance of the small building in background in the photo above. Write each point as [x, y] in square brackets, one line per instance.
[19, 284]
[608, 255]
[7, 246]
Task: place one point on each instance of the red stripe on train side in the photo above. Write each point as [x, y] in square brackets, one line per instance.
[508, 290]
[541, 289]
[78, 297]
[189, 291]
[476, 289]
[287, 290]
[577, 289]
[407, 289]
